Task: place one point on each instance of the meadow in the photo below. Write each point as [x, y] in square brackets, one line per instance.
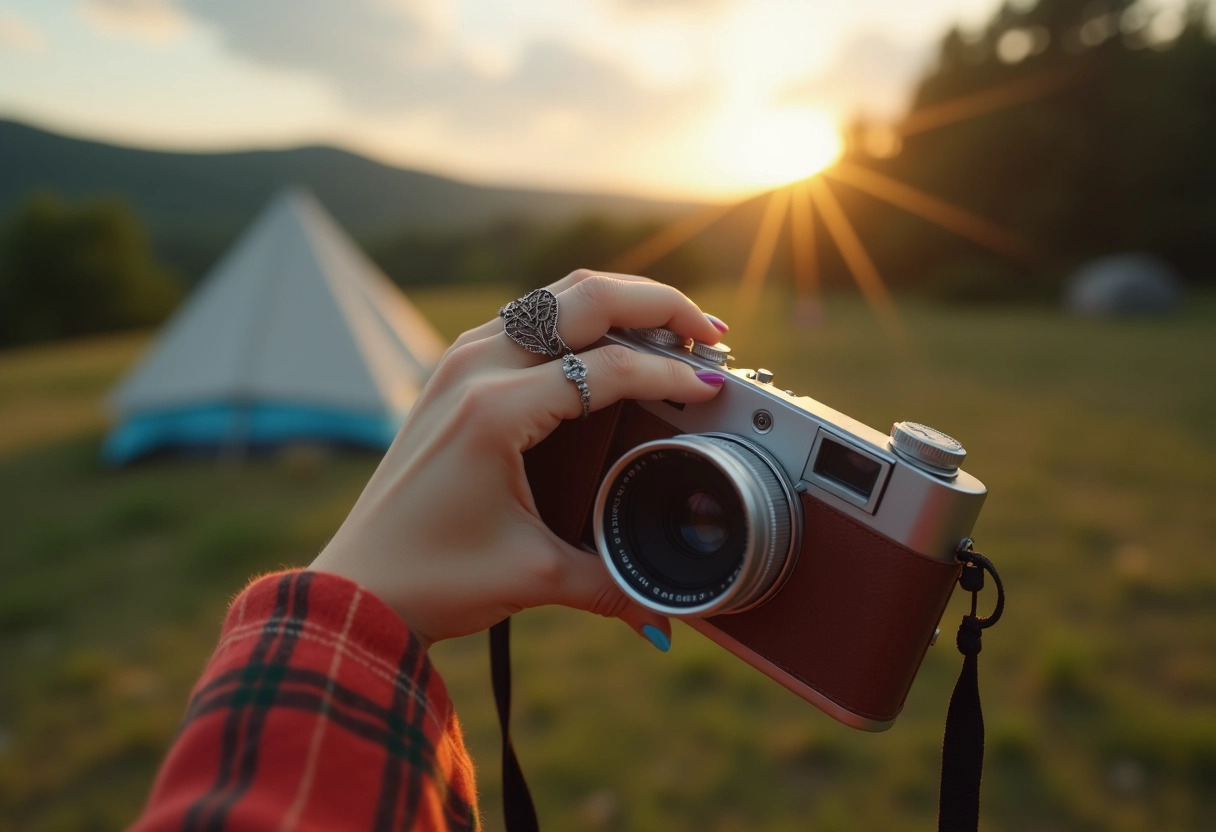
[1097, 441]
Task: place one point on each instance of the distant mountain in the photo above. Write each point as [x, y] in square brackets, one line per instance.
[195, 203]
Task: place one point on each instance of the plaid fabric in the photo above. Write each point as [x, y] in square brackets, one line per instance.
[318, 711]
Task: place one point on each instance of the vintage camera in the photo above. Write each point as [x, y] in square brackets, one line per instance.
[811, 546]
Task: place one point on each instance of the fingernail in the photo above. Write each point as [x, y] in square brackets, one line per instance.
[710, 377]
[718, 324]
[657, 637]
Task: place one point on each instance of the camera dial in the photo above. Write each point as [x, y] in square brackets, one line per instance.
[698, 524]
[927, 448]
[717, 353]
[661, 337]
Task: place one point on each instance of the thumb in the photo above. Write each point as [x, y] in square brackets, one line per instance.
[586, 585]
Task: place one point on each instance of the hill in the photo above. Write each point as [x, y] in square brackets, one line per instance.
[194, 203]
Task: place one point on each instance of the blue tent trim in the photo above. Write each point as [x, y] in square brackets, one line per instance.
[200, 427]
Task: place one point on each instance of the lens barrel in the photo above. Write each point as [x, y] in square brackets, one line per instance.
[699, 524]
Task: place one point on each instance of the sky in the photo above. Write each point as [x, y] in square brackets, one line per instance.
[665, 98]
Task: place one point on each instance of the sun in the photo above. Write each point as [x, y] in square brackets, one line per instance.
[764, 148]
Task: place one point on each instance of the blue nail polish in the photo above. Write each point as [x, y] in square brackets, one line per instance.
[657, 637]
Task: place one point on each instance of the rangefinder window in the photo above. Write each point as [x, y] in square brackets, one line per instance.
[841, 468]
[847, 467]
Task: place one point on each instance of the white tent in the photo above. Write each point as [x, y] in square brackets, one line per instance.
[295, 335]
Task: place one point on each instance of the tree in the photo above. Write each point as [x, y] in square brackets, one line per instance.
[75, 270]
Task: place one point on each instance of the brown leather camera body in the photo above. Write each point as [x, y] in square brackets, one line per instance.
[849, 628]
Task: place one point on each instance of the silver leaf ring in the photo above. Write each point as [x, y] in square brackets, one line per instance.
[531, 322]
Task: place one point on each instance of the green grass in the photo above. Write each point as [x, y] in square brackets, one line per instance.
[1095, 440]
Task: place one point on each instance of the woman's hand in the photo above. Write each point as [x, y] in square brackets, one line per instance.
[446, 530]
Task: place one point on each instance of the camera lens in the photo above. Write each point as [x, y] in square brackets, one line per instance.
[702, 523]
[676, 513]
[697, 524]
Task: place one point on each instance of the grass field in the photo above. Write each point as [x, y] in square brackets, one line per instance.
[1097, 442]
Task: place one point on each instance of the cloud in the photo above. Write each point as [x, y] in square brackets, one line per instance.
[870, 75]
[18, 35]
[551, 77]
[364, 48]
[669, 6]
[152, 21]
[390, 58]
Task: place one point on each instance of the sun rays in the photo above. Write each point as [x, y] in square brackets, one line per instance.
[802, 240]
[856, 258]
[937, 211]
[763, 247]
[996, 98]
[811, 200]
[668, 239]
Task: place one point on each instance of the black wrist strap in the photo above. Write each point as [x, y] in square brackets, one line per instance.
[962, 748]
[518, 811]
[958, 807]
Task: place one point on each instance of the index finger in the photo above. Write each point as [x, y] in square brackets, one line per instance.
[575, 277]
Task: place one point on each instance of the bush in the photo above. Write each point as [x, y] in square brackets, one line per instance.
[70, 270]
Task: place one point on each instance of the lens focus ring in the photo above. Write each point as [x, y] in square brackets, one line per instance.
[772, 530]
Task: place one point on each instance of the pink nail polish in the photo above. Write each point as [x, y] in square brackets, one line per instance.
[710, 377]
[718, 325]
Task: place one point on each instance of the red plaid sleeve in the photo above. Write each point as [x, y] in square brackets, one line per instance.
[318, 711]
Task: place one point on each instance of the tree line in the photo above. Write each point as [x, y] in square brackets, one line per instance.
[74, 269]
[1084, 127]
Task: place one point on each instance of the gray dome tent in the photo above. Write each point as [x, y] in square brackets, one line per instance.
[1124, 285]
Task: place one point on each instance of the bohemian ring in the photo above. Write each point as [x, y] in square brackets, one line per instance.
[531, 322]
[576, 371]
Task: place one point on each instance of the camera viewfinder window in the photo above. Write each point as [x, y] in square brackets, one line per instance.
[847, 467]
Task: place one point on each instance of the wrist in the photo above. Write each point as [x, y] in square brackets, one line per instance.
[374, 583]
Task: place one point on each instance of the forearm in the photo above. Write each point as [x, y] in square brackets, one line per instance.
[318, 710]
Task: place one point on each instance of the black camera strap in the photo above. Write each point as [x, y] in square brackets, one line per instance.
[958, 804]
[962, 748]
[517, 808]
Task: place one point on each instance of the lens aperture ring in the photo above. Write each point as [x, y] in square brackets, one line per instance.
[762, 505]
